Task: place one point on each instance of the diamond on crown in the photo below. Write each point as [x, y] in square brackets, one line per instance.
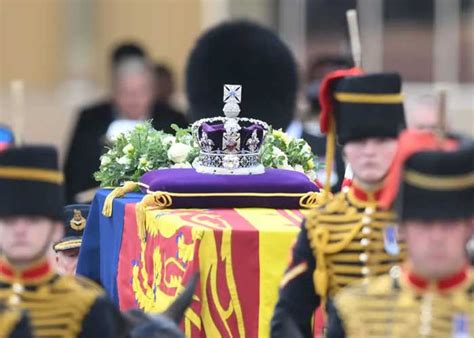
[229, 145]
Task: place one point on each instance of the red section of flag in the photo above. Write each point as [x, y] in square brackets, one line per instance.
[234, 273]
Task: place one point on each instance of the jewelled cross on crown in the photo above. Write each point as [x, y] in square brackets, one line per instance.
[232, 93]
[232, 98]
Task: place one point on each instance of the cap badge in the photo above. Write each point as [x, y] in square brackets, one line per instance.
[78, 222]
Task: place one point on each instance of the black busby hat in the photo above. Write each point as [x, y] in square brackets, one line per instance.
[431, 178]
[244, 53]
[438, 185]
[30, 182]
[75, 218]
[356, 106]
[365, 105]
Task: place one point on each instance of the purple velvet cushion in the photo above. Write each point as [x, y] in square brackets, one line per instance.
[272, 187]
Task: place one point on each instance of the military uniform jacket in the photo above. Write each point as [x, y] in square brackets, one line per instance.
[347, 240]
[59, 306]
[13, 323]
[403, 305]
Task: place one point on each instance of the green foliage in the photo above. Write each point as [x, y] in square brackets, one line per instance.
[144, 148]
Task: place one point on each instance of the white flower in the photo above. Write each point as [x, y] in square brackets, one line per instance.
[128, 149]
[143, 163]
[285, 166]
[311, 174]
[151, 138]
[105, 160]
[179, 152]
[280, 158]
[143, 160]
[124, 160]
[277, 152]
[299, 167]
[306, 149]
[182, 165]
[169, 139]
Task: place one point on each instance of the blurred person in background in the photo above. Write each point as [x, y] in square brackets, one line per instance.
[67, 248]
[132, 100]
[248, 54]
[164, 91]
[423, 113]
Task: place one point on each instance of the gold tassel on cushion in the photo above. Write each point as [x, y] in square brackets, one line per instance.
[116, 193]
[155, 199]
[140, 209]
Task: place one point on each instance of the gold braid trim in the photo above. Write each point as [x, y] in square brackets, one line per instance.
[439, 182]
[66, 245]
[370, 98]
[8, 319]
[319, 240]
[293, 273]
[313, 199]
[31, 174]
[117, 193]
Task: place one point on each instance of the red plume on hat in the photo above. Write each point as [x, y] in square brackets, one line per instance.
[410, 142]
[325, 94]
[326, 120]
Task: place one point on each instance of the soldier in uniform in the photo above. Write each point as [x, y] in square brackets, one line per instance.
[31, 212]
[432, 295]
[251, 55]
[67, 249]
[349, 238]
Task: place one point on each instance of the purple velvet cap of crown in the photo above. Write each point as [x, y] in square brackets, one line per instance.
[189, 181]
[215, 132]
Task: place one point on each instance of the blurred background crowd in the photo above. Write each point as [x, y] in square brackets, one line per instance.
[79, 65]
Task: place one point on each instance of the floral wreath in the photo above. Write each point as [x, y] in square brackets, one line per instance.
[144, 148]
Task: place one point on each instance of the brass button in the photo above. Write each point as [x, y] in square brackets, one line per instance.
[18, 288]
[363, 257]
[14, 300]
[366, 220]
[366, 230]
[364, 241]
[395, 272]
[369, 210]
[365, 271]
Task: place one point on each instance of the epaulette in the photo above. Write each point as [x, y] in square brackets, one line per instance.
[79, 284]
[337, 204]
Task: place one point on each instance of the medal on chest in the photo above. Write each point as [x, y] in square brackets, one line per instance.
[390, 240]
